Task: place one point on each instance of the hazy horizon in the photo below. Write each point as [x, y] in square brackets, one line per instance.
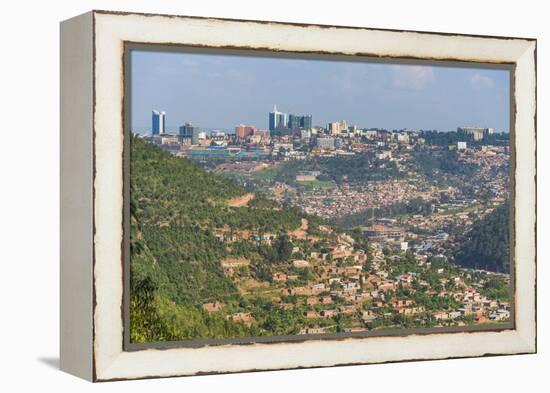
[215, 91]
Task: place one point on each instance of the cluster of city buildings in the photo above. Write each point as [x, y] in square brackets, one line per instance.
[290, 136]
[365, 289]
[284, 131]
[349, 198]
[282, 123]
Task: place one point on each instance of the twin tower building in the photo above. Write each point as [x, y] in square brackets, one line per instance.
[280, 121]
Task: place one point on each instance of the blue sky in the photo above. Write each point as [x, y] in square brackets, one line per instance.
[219, 91]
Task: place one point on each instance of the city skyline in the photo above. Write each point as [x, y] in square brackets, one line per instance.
[220, 91]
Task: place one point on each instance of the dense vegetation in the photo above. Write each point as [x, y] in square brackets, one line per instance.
[176, 209]
[154, 318]
[443, 162]
[357, 168]
[487, 243]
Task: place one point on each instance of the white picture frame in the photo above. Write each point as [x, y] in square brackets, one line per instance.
[92, 194]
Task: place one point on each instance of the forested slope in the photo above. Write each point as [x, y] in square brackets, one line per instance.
[487, 244]
[176, 208]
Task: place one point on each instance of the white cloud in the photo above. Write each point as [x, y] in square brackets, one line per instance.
[412, 77]
[479, 82]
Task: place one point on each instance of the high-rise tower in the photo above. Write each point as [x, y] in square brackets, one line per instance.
[159, 122]
[277, 120]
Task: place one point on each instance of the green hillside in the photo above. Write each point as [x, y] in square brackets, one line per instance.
[487, 244]
[176, 210]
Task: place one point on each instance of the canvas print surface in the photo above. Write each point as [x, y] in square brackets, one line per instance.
[300, 197]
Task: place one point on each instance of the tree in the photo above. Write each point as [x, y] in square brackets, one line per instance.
[283, 248]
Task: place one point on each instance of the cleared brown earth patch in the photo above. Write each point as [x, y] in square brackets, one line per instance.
[241, 201]
[301, 233]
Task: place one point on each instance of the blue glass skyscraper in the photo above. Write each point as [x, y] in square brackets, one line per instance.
[277, 120]
[159, 121]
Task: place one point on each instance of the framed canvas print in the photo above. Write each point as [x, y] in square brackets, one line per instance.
[248, 195]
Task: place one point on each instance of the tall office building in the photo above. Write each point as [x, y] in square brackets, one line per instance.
[242, 131]
[335, 128]
[477, 133]
[296, 122]
[277, 120]
[306, 122]
[159, 123]
[186, 132]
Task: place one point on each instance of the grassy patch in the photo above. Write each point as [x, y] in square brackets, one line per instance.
[268, 174]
